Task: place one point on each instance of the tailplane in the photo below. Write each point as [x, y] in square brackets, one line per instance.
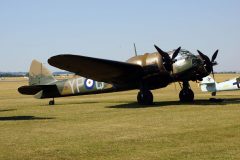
[207, 80]
[208, 84]
[39, 74]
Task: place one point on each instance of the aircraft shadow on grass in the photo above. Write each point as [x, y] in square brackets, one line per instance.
[7, 110]
[225, 101]
[72, 103]
[23, 118]
[177, 103]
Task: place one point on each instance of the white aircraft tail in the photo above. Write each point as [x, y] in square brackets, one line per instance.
[208, 80]
[208, 84]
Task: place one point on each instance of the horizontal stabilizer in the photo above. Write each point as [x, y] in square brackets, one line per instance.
[32, 90]
[208, 84]
[208, 80]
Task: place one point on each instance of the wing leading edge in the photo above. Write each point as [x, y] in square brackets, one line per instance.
[102, 70]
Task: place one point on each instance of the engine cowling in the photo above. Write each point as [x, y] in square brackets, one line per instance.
[155, 75]
[151, 63]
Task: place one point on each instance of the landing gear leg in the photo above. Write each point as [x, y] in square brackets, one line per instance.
[145, 97]
[52, 102]
[186, 94]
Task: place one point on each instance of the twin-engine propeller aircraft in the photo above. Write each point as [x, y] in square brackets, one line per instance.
[144, 72]
[208, 84]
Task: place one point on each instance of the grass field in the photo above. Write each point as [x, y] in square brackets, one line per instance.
[113, 126]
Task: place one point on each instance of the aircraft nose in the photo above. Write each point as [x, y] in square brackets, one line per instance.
[196, 62]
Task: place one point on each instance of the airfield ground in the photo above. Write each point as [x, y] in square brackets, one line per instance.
[114, 126]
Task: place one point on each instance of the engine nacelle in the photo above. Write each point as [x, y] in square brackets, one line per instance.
[155, 75]
[151, 63]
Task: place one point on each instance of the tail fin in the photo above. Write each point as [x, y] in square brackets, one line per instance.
[39, 74]
[208, 84]
[207, 80]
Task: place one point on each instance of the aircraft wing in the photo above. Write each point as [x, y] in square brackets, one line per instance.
[101, 70]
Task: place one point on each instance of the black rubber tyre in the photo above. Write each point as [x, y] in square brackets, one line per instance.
[186, 95]
[145, 98]
[51, 102]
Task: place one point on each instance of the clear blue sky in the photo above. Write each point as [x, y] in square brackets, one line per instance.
[107, 29]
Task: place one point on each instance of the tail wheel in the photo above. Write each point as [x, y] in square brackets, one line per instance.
[52, 102]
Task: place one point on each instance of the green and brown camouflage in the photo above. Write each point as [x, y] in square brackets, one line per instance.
[44, 85]
[39, 74]
[144, 72]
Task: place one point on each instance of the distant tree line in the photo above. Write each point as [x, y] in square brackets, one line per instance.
[9, 74]
[26, 74]
[228, 72]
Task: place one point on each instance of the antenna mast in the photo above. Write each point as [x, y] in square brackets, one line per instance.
[135, 49]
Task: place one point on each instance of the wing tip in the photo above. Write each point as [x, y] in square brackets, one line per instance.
[52, 60]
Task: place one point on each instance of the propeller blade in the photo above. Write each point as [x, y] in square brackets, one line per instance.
[203, 56]
[167, 60]
[213, 75]
[209, 64]
[176, 53]
[214, 56]
[161, 52]
[213, 61]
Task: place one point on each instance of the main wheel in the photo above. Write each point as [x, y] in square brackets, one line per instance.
[186, 95]
[145, 98]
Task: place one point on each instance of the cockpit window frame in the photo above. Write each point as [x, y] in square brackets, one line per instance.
[183, 54]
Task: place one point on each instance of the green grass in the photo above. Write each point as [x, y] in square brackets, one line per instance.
[113, 126]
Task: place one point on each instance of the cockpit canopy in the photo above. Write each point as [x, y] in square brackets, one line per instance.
[182, 54]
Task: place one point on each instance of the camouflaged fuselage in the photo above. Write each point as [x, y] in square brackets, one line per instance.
[151, 75]
[75, 86]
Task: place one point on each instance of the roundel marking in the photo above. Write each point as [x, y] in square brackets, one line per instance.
[89, 83]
